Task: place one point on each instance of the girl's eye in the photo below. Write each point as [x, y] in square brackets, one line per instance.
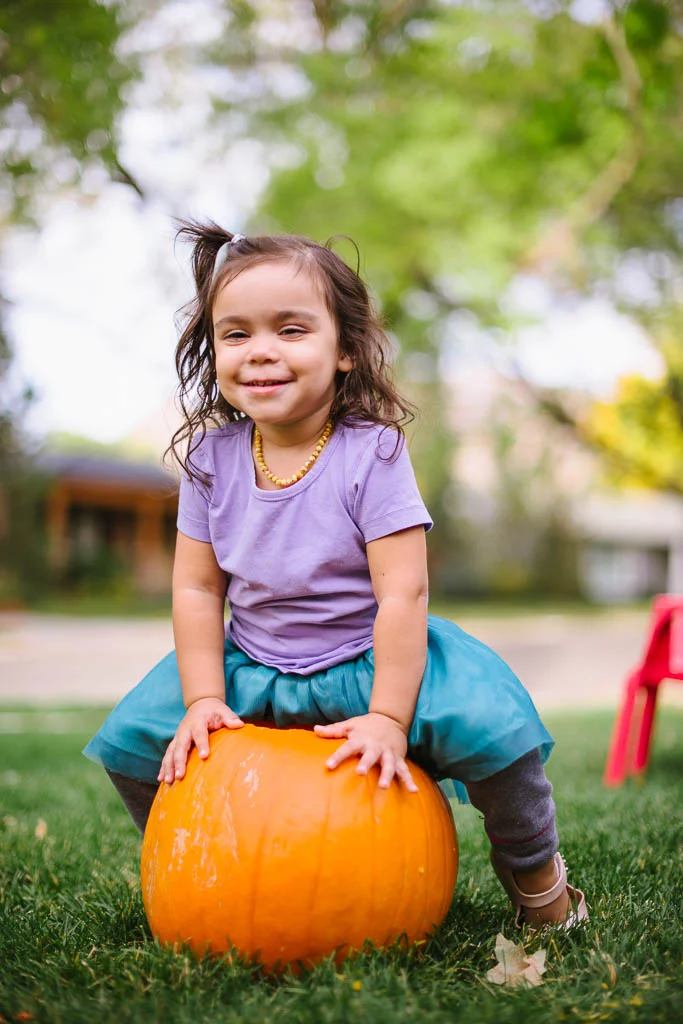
[291, 330]
[234, 336]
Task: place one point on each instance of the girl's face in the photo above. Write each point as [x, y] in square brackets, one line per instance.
[276, 347]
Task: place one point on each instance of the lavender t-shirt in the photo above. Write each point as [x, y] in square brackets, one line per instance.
[300, 593]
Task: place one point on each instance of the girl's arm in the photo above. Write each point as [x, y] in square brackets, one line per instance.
[199, 587]
[398, 568]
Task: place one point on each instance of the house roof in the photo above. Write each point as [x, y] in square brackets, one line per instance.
[96, 469]
[645, 518]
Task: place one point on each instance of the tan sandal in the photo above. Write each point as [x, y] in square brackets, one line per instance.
[532, 901]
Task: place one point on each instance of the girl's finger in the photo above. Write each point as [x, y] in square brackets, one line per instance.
[232, 721]
[200, 735]
[166, 769]
[403, 772]
[224, 720]
[389, 769]
[371, 756]
[337, 730]
[182, 747]
[346, 750]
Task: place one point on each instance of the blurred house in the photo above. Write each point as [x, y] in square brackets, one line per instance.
[629, 544]
[110, 519]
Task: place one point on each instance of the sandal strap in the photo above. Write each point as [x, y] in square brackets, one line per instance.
[541, 899]
[531, 901]
[580, 911]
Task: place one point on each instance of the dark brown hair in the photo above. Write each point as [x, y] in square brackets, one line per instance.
[366, 393]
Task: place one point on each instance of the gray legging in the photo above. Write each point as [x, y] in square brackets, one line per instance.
[518, 809]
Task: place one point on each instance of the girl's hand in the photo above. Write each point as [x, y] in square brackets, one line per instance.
[204, 716]
[377, 739]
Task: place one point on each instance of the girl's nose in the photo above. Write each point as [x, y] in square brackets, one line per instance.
[262, 348]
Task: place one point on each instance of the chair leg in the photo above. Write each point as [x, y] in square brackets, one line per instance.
[616, 765]
[642, 751]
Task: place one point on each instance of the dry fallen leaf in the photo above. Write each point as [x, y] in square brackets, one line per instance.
[514, 967]
[41, 829]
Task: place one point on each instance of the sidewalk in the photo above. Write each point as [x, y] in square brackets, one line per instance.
[565, 661]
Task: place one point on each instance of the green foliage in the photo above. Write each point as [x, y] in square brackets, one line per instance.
[22, 542]
[23, 548]
[642, 434]
[640, 431]
[75, 946]
[461, 145]
[62, 87]
[447, 143]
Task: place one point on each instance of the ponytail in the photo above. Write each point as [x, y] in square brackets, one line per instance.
[198, 396]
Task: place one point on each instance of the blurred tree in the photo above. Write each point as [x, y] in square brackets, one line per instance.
[462, 145]
[640, 432]
[22, 565]
[62, 87]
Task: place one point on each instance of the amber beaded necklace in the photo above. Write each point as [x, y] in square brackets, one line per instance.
[278, 481]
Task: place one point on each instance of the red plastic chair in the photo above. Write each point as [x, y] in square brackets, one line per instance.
[663, 659]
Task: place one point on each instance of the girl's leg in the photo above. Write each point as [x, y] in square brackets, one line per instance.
[519, 813]
[519, 817]
[137, 797]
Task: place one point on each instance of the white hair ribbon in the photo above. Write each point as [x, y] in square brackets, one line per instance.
[223, 253]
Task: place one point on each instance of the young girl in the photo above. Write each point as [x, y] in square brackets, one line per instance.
[298, 503]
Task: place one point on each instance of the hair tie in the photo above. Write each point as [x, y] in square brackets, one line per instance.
[223, 253]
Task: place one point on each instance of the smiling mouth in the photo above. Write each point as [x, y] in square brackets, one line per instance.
[263, 383]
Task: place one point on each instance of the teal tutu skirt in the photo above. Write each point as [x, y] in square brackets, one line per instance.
[473, 716]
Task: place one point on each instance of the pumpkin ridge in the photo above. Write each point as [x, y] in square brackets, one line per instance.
[411, 904]
[440, 842]
[224, 736]
[448, 839]
[370, 912]
[450, 863]
[319, 863]
[258, 858]
[398, 905]
[423, 797]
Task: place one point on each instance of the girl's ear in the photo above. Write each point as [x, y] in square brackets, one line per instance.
[344, 363]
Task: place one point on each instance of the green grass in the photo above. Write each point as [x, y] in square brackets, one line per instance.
[75, 947]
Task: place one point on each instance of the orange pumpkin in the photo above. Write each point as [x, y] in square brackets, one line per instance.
[264, 849]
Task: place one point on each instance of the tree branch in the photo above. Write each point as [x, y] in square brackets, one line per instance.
[124, 177]
[550, 404]
[560, 244]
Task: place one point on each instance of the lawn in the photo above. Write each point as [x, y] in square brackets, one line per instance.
[75, 947]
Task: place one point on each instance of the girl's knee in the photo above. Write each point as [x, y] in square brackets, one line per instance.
[137, 796]
[519, 813]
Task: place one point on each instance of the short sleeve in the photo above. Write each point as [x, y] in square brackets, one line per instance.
[193, 503]
[386, 498]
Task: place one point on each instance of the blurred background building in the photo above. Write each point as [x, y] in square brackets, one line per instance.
[109, 521]
[511, 174]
